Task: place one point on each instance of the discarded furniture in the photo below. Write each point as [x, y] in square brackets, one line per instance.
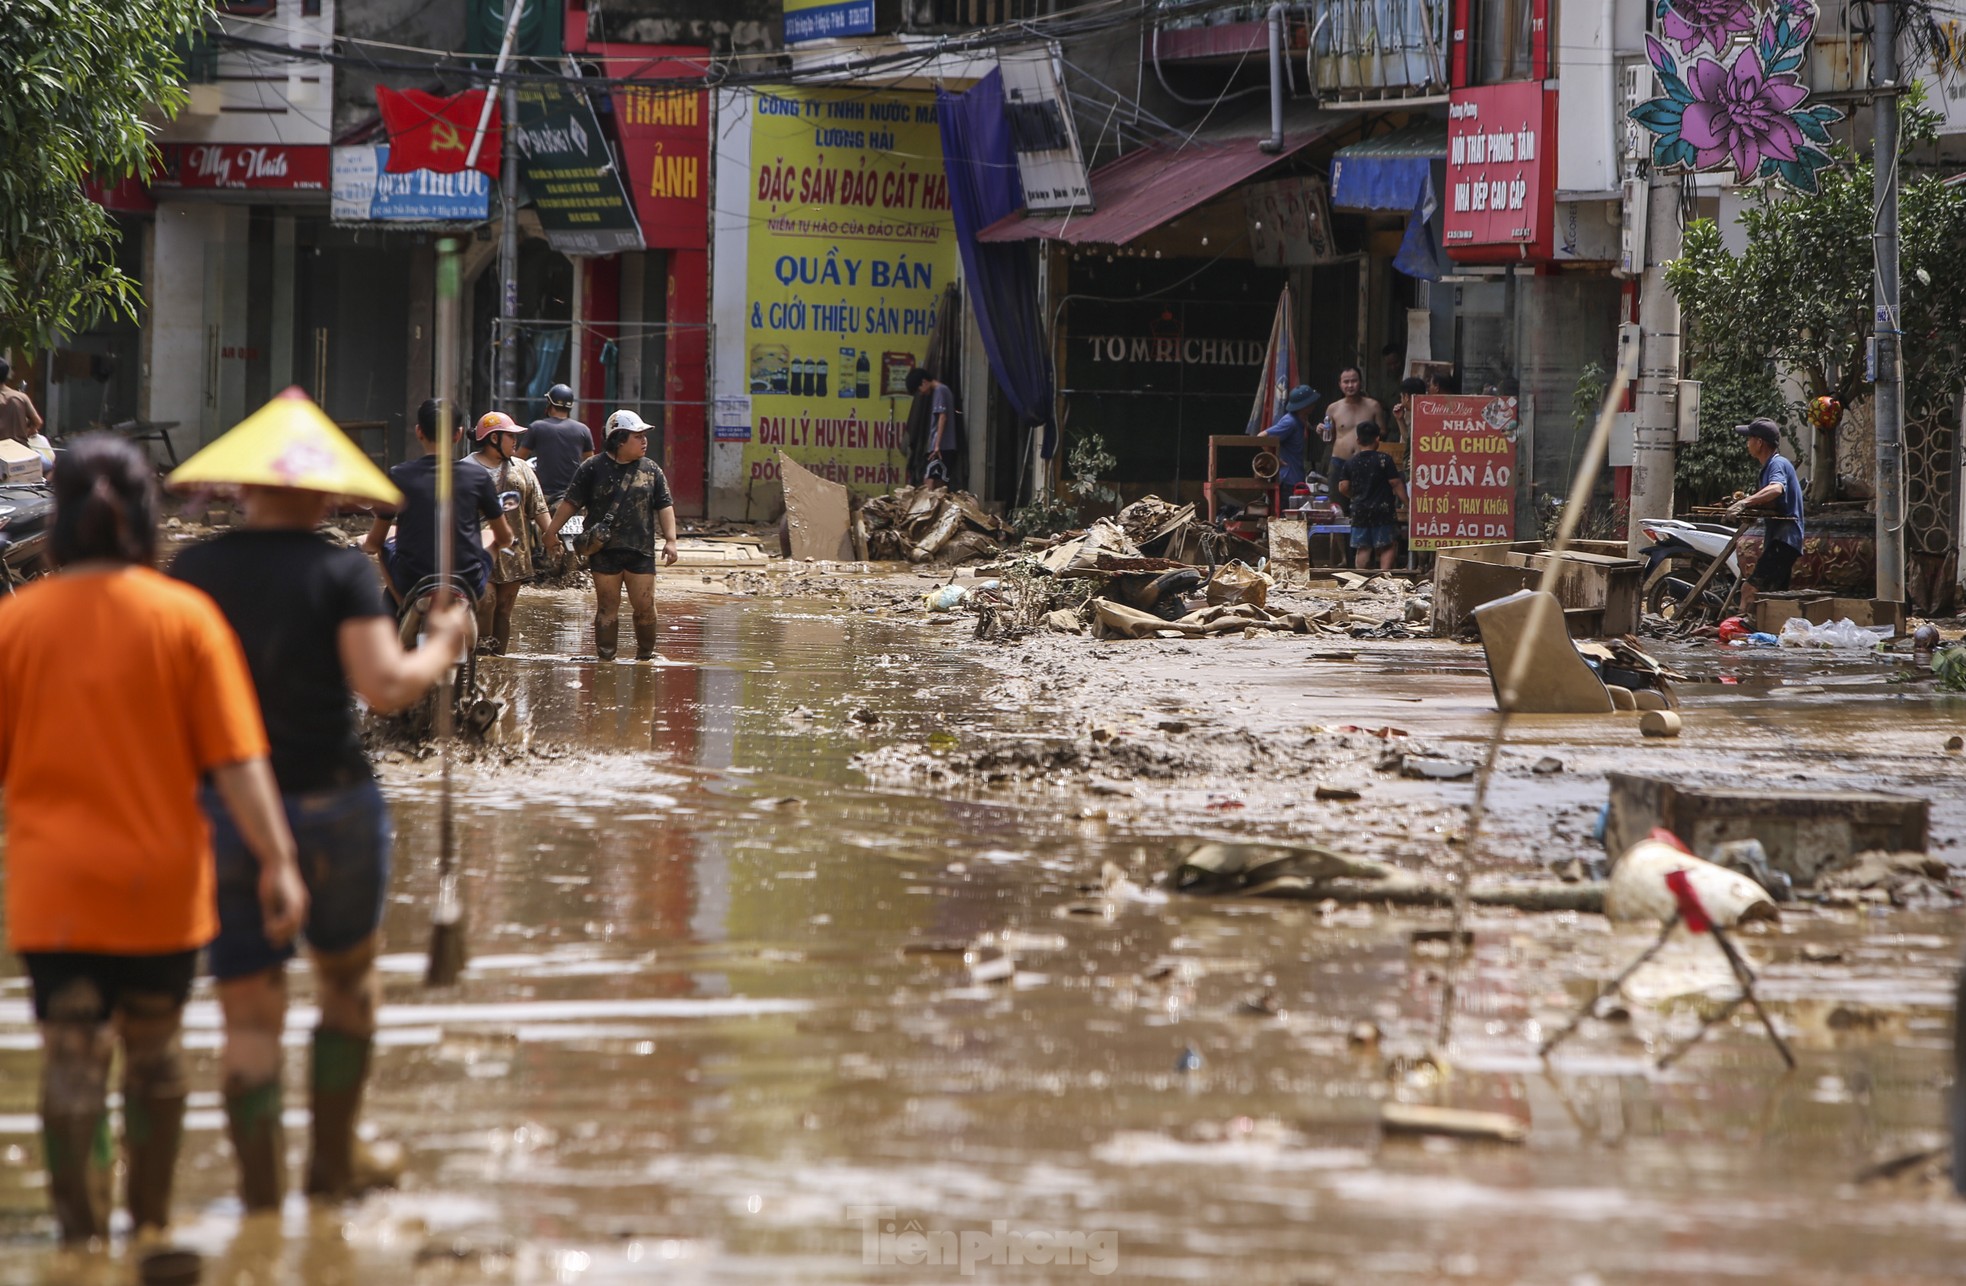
[1598, 587]
[149, 431]
[1236, 474]
[1803, 832]
[1557, 678]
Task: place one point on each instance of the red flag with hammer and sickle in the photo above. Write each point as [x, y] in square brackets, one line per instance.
[432, 132]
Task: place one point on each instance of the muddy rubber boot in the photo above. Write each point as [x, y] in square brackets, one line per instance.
[78, 1157]
[605, 633]
[252, 1118]
[338, 1071]
[645, 638]
[153, 1127]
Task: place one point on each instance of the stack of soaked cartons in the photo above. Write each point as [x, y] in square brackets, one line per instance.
[1774, 610]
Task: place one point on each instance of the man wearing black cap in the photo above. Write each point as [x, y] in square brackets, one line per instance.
[560, 443]
[1779, 491]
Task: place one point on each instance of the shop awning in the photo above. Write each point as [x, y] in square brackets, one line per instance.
[1162, 181]
[1388, 172]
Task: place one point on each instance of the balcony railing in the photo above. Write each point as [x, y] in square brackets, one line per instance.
[1338, 48]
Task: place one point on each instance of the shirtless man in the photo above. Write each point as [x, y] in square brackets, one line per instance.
[1342, 417]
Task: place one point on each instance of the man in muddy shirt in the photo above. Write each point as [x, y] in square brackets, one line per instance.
[624, 494]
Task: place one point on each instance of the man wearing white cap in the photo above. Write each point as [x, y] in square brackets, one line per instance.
[625, 497]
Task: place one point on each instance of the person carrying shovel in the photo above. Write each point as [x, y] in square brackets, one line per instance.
[119, 689]
[315, 628]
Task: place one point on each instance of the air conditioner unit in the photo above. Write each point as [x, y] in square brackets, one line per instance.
[1638, 84]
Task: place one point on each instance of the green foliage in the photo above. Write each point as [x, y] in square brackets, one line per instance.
[82, 85]
[1799, 297]
[1593, 382]
[1087, 459]
[1717, 463]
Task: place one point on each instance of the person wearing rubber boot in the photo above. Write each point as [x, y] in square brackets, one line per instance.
[315, 630]
[513, 566]
[122, 688]
[625, 498]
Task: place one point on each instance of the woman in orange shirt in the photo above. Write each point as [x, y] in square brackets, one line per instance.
[119, 688]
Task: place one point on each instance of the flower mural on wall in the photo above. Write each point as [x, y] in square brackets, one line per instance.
[1745, 108]
[1695, 24]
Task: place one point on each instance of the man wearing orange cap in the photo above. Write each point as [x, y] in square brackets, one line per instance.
[519, 493]
[315, 630]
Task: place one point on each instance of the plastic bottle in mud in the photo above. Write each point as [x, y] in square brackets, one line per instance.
[819, 380]
[862, 376]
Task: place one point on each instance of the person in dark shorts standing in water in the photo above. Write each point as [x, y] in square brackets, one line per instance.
[1374, 487]
[315, 628]
[556, 443]
[121, 688]
[1778, 491]
[625, 498]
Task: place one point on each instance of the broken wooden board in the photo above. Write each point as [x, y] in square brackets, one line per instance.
[817, 513]
[1451, 1122]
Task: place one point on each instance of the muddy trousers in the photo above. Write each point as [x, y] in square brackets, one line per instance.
[75, 1120]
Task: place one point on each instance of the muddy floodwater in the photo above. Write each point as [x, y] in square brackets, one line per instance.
[719, 1024]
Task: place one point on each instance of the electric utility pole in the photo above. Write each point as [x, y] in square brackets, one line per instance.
[1887, 370]
[1655, 430]
[507, 393]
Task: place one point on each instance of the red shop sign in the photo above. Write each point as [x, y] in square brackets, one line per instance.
[260, 166]
[665, 143]
[1500, 169]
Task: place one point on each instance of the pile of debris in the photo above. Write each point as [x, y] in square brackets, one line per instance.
[926, 524]
[825, 522]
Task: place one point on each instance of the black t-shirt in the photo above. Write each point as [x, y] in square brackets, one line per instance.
[1372, 474]
[286, 594]
[474, 502]
[557, 446]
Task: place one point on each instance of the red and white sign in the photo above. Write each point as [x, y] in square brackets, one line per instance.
[1500, 170]
[1461, 471]
[255, 166]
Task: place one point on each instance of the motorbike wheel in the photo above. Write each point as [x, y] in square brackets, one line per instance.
[1664, 595]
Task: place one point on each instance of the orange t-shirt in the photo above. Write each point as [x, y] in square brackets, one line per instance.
[118, 690]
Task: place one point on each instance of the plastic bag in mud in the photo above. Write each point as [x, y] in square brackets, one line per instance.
[1238, 582]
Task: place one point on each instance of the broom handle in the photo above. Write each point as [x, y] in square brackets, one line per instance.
[447, 275]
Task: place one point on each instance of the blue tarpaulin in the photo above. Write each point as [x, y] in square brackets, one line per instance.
[1000, 279]
[1396, 172]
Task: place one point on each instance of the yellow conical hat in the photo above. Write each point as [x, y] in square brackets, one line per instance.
[289, 442]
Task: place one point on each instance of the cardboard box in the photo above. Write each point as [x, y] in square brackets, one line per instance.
[1772, 611]
[18, 462]
[1862, 611]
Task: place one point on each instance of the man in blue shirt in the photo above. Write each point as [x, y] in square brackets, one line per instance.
[1780, 492]
[1293, 430]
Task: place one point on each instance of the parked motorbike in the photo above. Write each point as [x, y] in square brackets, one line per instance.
[1679, 555]
[27, 512]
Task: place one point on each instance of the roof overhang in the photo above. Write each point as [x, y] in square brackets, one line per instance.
[1157, 183]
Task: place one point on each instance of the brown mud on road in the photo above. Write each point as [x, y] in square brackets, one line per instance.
[797, 944]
